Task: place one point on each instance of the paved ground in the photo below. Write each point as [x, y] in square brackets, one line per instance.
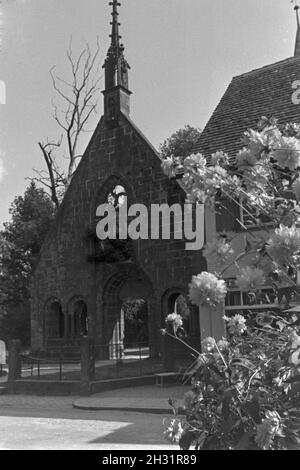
[41, 423]
[64, 428]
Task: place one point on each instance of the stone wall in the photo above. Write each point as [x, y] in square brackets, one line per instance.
[65, 272]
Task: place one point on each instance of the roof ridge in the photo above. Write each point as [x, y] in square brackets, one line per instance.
[279, 63]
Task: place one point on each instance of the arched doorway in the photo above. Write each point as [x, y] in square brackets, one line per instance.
[55, 322]
[176, 301]
[77, 324]
[80, 318]
[136, 328]
[128, 312]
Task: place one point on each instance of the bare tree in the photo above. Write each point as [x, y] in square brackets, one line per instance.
[53, 178]
[78, 99]
[74, 103]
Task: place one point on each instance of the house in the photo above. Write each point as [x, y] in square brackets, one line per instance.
[270, 91]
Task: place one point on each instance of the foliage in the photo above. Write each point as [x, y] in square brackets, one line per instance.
[20, 243]
[181, 143]
[246, 387]
[132, 308]
[136, 321]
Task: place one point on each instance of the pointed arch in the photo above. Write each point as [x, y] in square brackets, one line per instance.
[107, 187]
[54, 320]
[175, 300]
[77, 317]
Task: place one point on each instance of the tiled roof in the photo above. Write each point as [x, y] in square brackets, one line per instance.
[263, 92]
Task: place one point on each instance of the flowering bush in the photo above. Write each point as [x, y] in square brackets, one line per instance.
[246, 387]
[206, 288]
[220, 248]
[175, 321]
[250, 278]
[284, 246]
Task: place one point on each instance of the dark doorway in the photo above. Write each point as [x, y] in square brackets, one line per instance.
[136, 332]
[80, 319]
[55, 326]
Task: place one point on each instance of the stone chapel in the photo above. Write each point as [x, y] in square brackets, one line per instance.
[80, 283]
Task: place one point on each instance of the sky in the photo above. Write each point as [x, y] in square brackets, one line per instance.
[183, 55]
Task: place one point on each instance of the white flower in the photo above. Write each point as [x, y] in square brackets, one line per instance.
[258, 178]
[236, 324]
[296, 188]
[295, 357]
[284, 245]
[194, 161]
[207, 289]
[169, 167]
[174, 431]
[196, 195]
[188, 180]
[223, 344]
[267, 430]
[256, 142]
[288, 153]
[246, 158]
[175, 320]
[220, 248]
[219, 158]
[250, 278]
[219, 173]
[294, 346]
[294, 340]
[208, 344]
[272, 137]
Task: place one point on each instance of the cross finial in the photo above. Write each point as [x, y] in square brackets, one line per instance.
[116, 93]
[115, 37]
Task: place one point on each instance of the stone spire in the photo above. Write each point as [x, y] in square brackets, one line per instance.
[116, 93]
[297, 45]
[115, 37]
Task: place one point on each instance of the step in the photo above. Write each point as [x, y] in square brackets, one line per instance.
[55, 356]
[167, 379]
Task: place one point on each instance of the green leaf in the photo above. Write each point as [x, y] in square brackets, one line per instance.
[200, 441]
[217, 371]
[246, 442]
[228, 425]
[187, 439]
[253, 409]
[243, 362]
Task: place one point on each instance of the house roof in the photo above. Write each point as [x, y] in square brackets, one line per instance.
[263, 92]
